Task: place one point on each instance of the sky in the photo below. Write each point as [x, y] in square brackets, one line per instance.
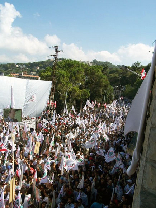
[118, 31]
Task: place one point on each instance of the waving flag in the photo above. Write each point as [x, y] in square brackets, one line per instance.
[18, 152]
[106, 138]
[62, 165]
[47, 165]
[54, 117]
[92, 142]
[2, 204]
[70, 164]
[17, 203]
[143, 74]
[35, 174]
[110, 155]
[81, 183]
[137, 114]
[52, 143]
[89, 104]
[18, 172]
[100, 152]
[44, 179]
[3, 148]
[118, 164]
[37, 194]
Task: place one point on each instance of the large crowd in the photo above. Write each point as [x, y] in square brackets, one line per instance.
[73, 160]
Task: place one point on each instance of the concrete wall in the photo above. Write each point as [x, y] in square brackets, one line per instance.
[145, 190]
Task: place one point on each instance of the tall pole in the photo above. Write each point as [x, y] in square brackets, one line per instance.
[52, 93]
[13, 168]
[13, 140]
[131, 71]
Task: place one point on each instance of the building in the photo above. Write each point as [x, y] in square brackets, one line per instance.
[25, 76]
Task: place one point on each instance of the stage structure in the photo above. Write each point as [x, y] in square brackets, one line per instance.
[29, 95]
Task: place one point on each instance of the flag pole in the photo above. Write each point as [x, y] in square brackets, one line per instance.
[13, 170]
[12, 106]
[12, 181]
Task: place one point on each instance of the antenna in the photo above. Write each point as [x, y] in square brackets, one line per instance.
[153, 42]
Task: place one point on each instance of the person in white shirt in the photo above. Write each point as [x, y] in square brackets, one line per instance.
[27, 201]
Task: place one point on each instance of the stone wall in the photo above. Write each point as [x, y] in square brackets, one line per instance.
[145, 190]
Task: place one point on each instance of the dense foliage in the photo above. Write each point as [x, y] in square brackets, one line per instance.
[77, 81]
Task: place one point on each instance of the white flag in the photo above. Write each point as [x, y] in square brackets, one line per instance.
[2, 204]
[12, 98]
[89, 104]
[44, 179]
[136, 116]
[110, 156]
[81, 183]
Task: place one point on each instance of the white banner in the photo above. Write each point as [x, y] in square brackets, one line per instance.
[136, 116]
[29, 95]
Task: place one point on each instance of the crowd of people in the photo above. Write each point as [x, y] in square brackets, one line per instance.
[73, 160]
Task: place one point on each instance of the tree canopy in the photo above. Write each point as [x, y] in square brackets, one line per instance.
[77, 81]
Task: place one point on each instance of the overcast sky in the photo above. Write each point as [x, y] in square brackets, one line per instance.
[121, 32]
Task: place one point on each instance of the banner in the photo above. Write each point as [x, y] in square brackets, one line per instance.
[12, 190]
[136, 116]
[29, 95]
[37, 146]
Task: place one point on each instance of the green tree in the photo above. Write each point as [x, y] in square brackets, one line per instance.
[76, 82]
[46, 74]
[71, 82]
[96, 82]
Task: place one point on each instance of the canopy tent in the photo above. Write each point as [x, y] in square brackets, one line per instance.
[29, 95]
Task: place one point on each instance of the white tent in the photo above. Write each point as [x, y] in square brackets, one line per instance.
[29, 95]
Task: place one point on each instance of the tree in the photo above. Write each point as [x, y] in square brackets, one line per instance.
[71, 82]
[46, 74]
[96, 82]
